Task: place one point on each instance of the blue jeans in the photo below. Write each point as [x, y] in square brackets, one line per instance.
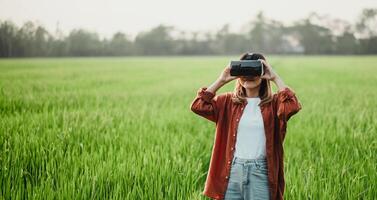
[248, 179]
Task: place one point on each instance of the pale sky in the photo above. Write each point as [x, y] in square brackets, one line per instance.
[109, 16]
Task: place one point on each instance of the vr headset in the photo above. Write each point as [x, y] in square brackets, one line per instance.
[246, 67]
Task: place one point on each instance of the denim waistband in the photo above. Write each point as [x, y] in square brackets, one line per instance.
[260, 160]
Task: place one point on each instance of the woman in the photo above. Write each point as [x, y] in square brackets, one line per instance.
[247, 155]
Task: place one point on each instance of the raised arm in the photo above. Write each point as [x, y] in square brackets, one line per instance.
[206, 103]
[286, 100]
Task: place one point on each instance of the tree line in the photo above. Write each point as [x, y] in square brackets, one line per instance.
[314, 34]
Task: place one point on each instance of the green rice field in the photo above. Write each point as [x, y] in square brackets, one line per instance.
[122, 128]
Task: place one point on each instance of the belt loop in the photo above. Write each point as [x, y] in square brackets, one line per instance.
[233, 160]
[257, 163]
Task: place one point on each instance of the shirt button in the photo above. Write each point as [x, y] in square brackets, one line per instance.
[228, 162]
[234, 135]
[237, 119]
[231, 148]
[226, 177]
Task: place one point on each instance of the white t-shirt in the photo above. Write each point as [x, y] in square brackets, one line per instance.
[251, 139]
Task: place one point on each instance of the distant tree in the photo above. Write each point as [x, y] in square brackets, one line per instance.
[197, 44]
[267, 35]
[346, 43]
[25, 40]
[276, 41]
[120, 45]
[367, 31]
[157, 41]
[84, 43]
[257, 34]
[40, 41]
[314, 38]
[7, 39]
[230, 43]
[367, 23]
[57, 47]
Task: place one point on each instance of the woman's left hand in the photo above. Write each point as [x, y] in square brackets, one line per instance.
[269, 73]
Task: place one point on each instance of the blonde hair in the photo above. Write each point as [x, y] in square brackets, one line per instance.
[265, 92]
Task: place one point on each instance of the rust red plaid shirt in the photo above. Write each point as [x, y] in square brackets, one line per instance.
[226, 114]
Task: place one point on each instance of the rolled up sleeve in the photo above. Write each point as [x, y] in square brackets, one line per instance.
[206, 104]
[287, 104]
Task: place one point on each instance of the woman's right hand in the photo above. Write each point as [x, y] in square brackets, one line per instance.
[225, 76]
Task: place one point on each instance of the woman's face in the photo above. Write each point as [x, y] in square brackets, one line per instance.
[250, 82]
